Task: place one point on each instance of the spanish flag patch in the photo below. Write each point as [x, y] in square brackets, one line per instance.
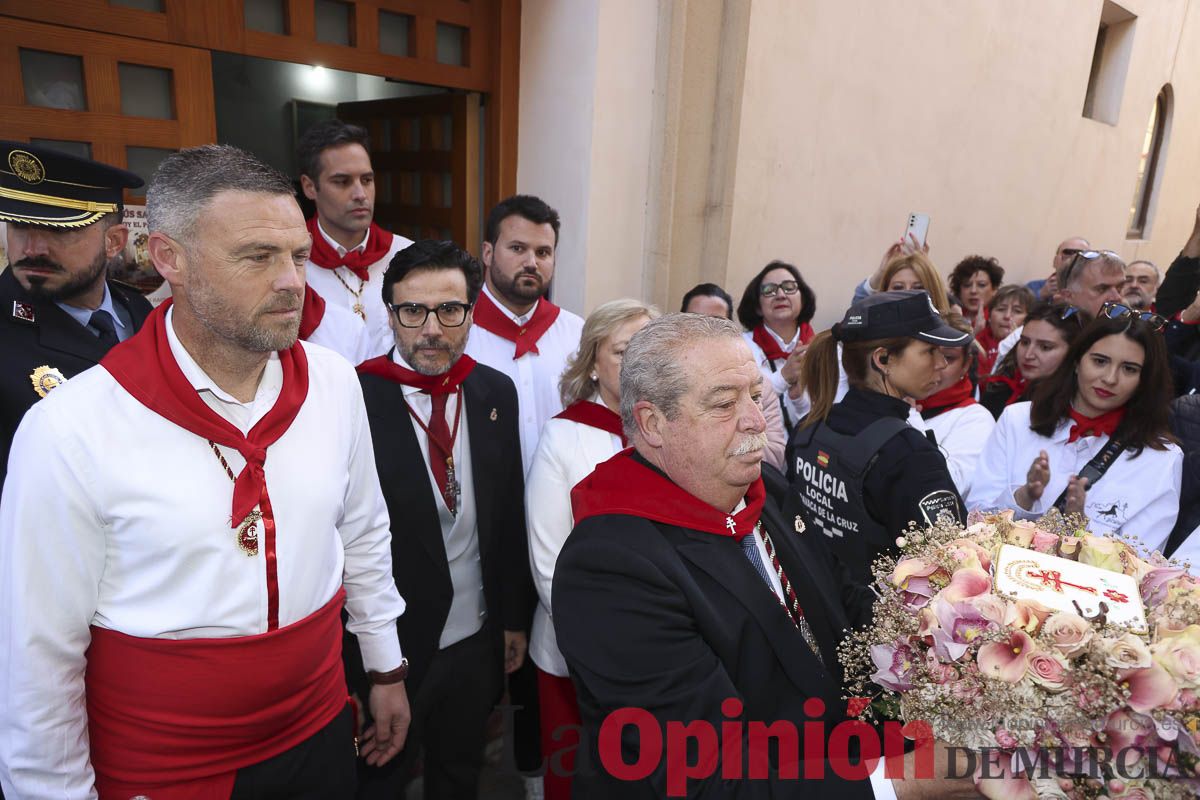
[823, 458]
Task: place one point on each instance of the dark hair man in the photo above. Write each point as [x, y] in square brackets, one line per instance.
[708, 298]
[451, 468]
[59, 314]
[185, 523]
[517, 330]
[350, 252]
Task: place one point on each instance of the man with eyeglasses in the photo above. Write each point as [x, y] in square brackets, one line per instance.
[1089, 279]
[448, 453]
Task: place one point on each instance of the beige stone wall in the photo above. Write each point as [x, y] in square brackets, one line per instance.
[725, 133]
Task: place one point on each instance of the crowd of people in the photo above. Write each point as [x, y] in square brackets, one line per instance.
[336, 463]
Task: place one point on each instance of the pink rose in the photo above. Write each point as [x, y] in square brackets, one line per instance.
[990, 607]
[1126, 652]
[1068, 632]
[1005, 739]
[967, 553]
[1179, 654]
[939, 673]
[1045, 542]
[1048, 670]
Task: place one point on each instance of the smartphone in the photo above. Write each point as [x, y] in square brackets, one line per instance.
[917, 228]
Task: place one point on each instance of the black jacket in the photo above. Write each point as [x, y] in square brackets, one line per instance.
[418, 551]
[908, 468]
[1185, 424]
[676, 621]
[51, 339]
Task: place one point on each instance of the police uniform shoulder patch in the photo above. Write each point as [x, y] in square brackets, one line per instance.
[933, 504]
[23, 311]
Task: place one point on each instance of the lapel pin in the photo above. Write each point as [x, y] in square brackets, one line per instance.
[493, 415]
[800, 526]
[23, 312]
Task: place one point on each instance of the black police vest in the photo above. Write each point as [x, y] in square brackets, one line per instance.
[827, 469]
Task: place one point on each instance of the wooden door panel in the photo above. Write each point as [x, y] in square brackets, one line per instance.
[425, 151]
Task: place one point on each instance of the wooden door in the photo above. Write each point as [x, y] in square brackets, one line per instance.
[426, 154]
[123, 101]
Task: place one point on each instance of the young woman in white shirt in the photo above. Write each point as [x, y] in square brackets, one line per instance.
[959, 423]
[587, 432]
[1114, 385]
[1046, 336]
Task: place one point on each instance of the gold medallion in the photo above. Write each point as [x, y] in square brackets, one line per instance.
[26, 166]
[800, 526]
[362, 312]
[247, 535]
[45, 379]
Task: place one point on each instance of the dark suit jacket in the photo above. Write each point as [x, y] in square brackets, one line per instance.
[676, 621]
[418, 552]
[53, 340]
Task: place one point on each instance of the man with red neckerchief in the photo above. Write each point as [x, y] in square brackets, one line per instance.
[450, 465]
[350, 252]
[185, 522]
[685, 591]
[517, 330]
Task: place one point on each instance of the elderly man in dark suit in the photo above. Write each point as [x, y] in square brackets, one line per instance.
[686, 593]
[448, 452]
[59, 314]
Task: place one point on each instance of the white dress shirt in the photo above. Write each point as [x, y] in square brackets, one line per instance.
[775, 376]
[566, 454]
[343, 332]
[460, 532]
[326, 283]
[535, 375]
[1136, 496]
[115, 517]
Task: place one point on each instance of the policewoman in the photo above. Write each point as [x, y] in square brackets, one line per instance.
[59, 312]
[860, 472]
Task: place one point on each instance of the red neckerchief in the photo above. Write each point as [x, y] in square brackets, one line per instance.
[379, 242]
[446, 383]
[770, 345]
[488, 316]
[312, 313]
[1104, 425]
[624, 485]
[1016, 384]
[958, 395]
[145, 367]
[595, 415]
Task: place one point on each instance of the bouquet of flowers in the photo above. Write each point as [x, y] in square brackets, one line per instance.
[1070, 660]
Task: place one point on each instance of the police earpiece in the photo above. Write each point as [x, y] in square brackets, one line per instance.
[883, 359]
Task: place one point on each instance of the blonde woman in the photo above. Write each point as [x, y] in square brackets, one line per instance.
[586, 433]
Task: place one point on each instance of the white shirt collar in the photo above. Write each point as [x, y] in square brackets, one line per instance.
[272, 377]
[399, 360]
[788, 346]
[520, 320]
[341, 251]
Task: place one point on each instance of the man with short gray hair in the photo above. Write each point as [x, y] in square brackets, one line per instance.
[684, 587]
[1141, 285]
[184, 523]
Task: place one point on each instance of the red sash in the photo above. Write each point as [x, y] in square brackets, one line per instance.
[489, 317]
[174, 719]
[379, 242]
[594, 415]
[311, 313]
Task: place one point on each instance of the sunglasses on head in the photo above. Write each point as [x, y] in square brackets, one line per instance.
[1086, 255]
[1116, 311]
[1072, 312]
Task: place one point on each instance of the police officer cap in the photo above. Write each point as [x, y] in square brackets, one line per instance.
[40, 186]
[885, 315]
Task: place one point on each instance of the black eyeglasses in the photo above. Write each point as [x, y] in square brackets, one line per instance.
[787, 287]
[1086, 255]
[1114, 310]
[413, 315]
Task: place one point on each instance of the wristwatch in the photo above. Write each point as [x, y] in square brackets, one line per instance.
[396, 675]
